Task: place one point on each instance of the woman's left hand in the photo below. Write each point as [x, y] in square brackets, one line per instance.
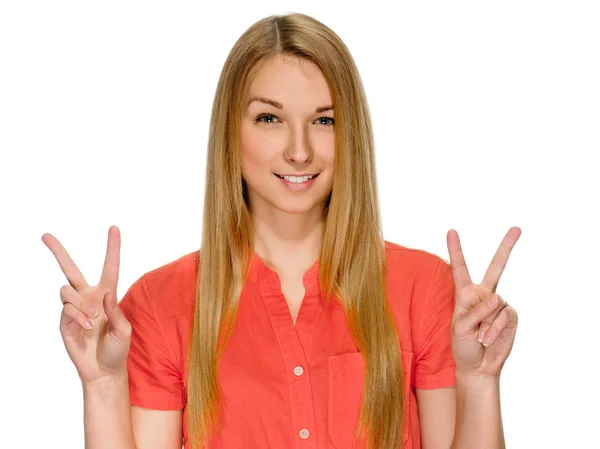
[483, 324]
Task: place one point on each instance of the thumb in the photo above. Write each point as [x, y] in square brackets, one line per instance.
[117, 322]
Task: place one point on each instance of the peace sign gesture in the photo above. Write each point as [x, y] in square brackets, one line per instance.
[95, 331]
[483, 324]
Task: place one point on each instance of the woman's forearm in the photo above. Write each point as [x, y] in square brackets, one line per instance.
[478, 416]
[107, 414]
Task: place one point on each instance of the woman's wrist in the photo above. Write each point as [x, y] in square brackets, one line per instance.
[478, 416]
[476, 382]
[106, 384]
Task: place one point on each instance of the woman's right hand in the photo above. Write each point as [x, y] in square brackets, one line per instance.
[100, 352]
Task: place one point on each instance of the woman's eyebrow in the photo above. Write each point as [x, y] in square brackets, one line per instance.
[278, 105]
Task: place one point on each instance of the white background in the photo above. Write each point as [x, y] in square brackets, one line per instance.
[486, 115]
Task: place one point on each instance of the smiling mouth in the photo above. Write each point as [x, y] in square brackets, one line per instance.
[297, 179]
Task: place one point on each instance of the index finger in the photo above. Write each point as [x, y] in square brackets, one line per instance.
[460, 272]
[496, 268]
[65, 262]
[110, 271]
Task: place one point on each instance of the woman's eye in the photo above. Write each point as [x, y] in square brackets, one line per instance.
[331, 121]
[269, 119]
[264, 116]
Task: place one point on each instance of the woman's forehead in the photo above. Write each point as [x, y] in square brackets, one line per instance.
[289, 83]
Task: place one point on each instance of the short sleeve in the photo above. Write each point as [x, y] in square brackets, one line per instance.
[434, 363]
[155, 382]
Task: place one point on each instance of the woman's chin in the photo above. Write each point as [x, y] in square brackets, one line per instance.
[298, 207]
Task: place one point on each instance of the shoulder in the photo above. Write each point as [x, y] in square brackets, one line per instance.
[170, 288]
[418, 284]
[174, 275]
[412, 264]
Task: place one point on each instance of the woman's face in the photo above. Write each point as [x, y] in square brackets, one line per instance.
[287, 130]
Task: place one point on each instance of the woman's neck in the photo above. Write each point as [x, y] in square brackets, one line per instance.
[287, 242]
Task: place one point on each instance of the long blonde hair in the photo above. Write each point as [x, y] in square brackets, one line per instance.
[352, 256]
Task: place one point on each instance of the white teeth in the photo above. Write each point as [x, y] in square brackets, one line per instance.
[298, 179]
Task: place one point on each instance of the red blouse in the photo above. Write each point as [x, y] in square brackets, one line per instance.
[286, 385]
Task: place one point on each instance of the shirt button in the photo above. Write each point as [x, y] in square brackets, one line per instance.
[304, 434]
[298, 371]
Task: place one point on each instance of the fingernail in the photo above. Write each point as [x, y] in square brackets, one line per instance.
[481, 335]
[487, 341]
[493, 301]
[92, 312]
[87, 325]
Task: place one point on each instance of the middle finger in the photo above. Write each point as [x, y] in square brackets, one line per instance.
[496, 267]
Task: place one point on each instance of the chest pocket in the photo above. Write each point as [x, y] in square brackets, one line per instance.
[346, 376]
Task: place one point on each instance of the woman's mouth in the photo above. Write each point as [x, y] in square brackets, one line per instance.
[297, 182]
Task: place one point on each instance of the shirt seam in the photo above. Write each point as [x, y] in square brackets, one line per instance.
[313, 335]
[400, 248]
[426, 305]
[274, 289]
[158, 324]
[260, 285]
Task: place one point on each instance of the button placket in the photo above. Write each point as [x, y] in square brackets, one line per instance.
[294, 358]
[294, 342]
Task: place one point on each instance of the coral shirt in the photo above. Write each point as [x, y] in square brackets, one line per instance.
[286, 385]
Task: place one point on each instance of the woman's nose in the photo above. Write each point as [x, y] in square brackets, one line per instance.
[299, 149]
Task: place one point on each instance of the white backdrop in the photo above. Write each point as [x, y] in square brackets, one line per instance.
[486, 115]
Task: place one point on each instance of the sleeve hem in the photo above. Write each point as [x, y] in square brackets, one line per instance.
[444, 378]
[155, 401]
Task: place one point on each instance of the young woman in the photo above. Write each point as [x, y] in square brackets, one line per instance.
[296, 325]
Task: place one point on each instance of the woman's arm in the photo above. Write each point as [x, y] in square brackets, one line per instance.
[437, 417]
[112, 423]
[478, 417]
[157, 429]
[467, 416]
[107, 414]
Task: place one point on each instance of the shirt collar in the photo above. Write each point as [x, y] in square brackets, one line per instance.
[264, 276]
